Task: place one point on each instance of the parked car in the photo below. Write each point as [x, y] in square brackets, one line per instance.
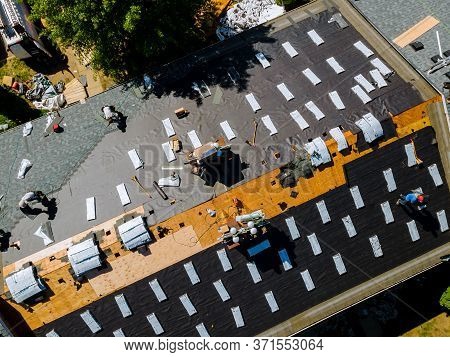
[445, 258]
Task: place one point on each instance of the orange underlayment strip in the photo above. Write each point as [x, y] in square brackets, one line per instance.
[200, 230]
[416, 31]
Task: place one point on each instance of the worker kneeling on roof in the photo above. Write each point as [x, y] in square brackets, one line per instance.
[414, 199]
[29, 197]
[110, 114]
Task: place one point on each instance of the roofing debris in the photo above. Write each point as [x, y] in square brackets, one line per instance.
[300, 166]
[43, 94]
[245, 15]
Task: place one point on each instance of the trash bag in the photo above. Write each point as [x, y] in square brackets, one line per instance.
[25, 165]
[53, 103]
[41, 88]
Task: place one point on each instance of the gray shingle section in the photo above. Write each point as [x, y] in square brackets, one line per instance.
[392, 18]
[4, 330]
[55, 157]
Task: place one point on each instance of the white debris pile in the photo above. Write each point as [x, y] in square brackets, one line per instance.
[247, 14]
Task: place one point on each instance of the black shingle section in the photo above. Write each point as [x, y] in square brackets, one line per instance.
[288, 287]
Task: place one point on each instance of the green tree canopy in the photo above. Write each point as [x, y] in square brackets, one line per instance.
[124, 36]
[445, 299]
[290, 4]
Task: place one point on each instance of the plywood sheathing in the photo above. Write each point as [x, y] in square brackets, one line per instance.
[416, 31]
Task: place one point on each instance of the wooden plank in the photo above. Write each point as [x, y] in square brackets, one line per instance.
[74, 91]
[416, 31]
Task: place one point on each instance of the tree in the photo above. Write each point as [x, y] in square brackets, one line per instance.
[123, 37]
[290, 4]
[445, 299]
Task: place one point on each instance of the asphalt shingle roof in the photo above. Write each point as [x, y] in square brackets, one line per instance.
[392, 18]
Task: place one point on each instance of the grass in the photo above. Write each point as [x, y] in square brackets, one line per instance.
[106, 82]
[15, 110]
[438, 326]
[4, 120]
[16, 68]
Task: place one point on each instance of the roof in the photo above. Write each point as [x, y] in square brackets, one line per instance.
[288, 287]
[88, 159]
[300, 273]
[392, 18]
[24, 284]
[13, 12]
[10, 14]
[84, 256]
[4, 330]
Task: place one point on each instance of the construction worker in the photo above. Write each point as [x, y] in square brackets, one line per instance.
[109, 113]
[113, 116]
[414, 199]
[29, 197]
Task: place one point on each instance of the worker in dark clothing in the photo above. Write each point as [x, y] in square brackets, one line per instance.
[414, 199]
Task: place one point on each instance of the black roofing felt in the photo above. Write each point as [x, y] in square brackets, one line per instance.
[288, 287]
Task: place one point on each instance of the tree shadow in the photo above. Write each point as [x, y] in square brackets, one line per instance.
[14, 320]
[16, 108]
[224, 64]
[58, 62]
[395, 312]
[226, 169]
[4, 240]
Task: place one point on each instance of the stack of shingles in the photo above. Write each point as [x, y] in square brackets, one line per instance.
[75, 92]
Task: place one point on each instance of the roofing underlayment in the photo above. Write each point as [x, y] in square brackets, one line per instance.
[88, 160]
[361, 257]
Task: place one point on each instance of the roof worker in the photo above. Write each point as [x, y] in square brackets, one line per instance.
[414, 199]
[29, 197]
[113, 116]
[110, 114]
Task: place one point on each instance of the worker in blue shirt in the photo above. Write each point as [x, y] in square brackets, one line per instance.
[414, 199]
